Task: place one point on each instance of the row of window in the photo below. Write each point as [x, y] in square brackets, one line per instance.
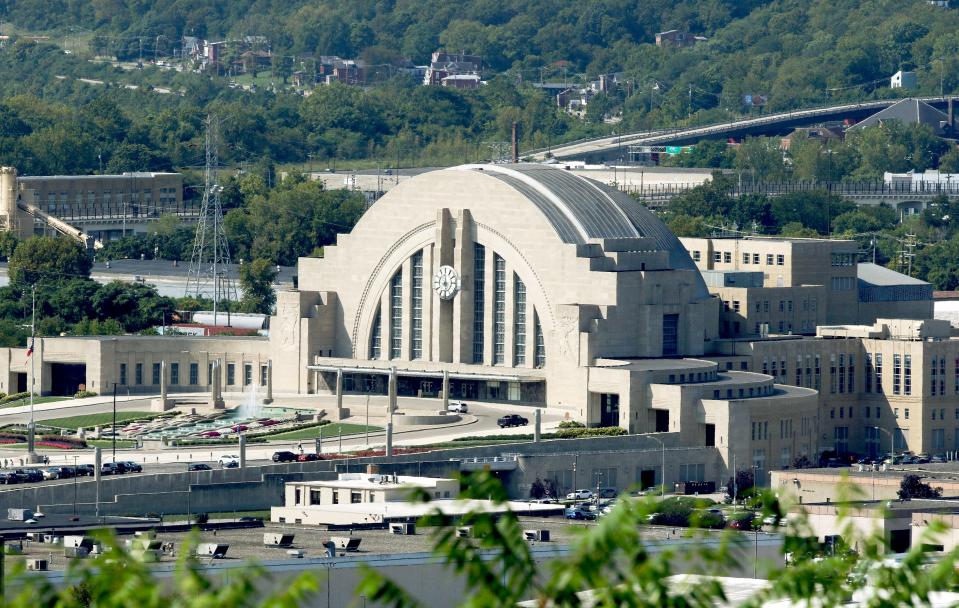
[194, 373]
[741, 393]
[843, 259]
[843, 283]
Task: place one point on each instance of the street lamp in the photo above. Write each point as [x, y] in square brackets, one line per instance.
[662, 484]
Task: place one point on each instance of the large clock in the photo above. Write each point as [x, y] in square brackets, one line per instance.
[446, 282]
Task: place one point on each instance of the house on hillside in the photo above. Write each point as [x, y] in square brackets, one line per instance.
[820, 134]
[678, 39]
[903, 80]
[445, 64]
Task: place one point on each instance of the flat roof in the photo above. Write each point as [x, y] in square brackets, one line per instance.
[360, 481]
[451, 507]
[875, 274]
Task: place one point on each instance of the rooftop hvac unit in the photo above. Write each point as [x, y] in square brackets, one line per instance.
[214, 550]
[540, 535]
[271, 539]
[19, 514]
[36, 564]
[465, 532]
[403, 528]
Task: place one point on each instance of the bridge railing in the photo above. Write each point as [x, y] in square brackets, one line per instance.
[857, 188]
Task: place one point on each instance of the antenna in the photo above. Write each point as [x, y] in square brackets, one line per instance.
[210, 262]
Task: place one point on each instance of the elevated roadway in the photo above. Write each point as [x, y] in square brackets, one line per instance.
[606, 148]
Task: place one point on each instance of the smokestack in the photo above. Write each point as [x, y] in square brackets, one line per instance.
[950, 112]
[515, 157]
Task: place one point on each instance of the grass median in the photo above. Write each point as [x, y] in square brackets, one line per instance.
[91, 420]
[328, 430]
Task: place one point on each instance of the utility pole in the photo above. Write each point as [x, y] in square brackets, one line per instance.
[31, 439]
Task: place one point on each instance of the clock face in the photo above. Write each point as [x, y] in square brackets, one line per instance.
[446, 282]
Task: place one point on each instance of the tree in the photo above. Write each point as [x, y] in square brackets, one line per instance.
[48, 259]
[537, 489]
[742, 486]
[912, 486]
[257, 279]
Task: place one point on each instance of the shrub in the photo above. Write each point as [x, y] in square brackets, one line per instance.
[83, 394]
[603, 431]
[571, 424]
[16, 397]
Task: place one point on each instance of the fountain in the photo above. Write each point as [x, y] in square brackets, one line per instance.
[249, 409]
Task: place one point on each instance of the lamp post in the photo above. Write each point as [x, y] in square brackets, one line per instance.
[662, 471]
[114, 429]
[32, 452]
[75, 485]
[756, 470]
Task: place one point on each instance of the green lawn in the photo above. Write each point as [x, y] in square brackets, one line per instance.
[92, 420]
[328, 431]
[36, 401]
[107, 443]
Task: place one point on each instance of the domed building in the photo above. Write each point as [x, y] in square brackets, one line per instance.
[513, 281]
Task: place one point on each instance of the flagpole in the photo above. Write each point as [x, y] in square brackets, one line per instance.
[31, 451]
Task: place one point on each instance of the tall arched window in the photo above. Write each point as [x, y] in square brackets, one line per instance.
[416, 288]
[479, 301]
[499, 311]
[375, 337]
[519, 322]
[540, 343]
[396, 315]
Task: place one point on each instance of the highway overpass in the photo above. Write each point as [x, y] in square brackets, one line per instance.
[616, 147]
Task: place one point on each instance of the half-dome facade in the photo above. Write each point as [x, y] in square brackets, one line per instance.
[513, 280]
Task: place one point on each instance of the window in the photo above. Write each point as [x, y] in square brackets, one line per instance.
[717, 256]
[231, 373]
[695, 254]
[782, 306]
[519, 322]
[869, 372]
[735, 305]
[780, 260]
[479, 300]
[727, 257]
[416, 285]
[174, 373]
[818, 375]
[670, 335]
[376, 337]
[798, 370]
[841, 435]
[765, 305]
[356, 497]
[264, 372]
[745, 258]
[540, 343]
[769, 259]
[932, 384]
[123, 373]
[832, 373]
[499, 310]
[842, 283]
[396, 315]
[156, 373]
[879, 373]
[842, 373]
[336, 497]
[247, 374]
[755, 258]
[907, 413]
[907, 375]
[956, 380]
[942, 375]
[138, 373]
[896, 374]
[194, 374]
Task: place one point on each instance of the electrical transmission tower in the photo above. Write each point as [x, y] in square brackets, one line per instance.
[210, 262]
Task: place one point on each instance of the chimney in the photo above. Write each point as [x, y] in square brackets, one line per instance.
[515, 157]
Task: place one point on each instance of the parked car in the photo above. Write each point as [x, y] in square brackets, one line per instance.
[110, 468]
[128, 466]
[86, 470]
[210, 434]
[284, 456]
[67, 472]
[512, 420]
[238, 428]
[608, 492]
[51, 473]
[938, 458]
[922, 459]
[30, 475]
[458, 407]
[198, 466]
[307, 457]
[580, 495]
[744, 522]
[229, 461]
[8, 478]
[578, 513]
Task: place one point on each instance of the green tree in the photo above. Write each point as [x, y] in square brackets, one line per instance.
[257, 278]
[48, 259]
[912, 486]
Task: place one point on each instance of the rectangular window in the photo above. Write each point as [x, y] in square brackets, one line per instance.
[416, 287]
[479, 301]
[842, 373]
[138, 373]
[727, 257]
[907, 375]
[376, 337]
[231, 373]
[896, 374]
[879, 373]
[817, 384]
[263, 374]
[745, 258]
[933, 385]
[755, 258]
[769, 259]
[869, 372]
[194, 374]
[717, 256]
[798, 370]
[247, 374]
[396, 315]
[780, 259]
[174, 373]
[499, 310]
[695, 254]
[156, 373]
[670, 335]
[832, 373]
[942, 375]
[735, 305]
[519, 322]
[123, 374]
[540, 343]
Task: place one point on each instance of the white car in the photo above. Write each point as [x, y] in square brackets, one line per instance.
[580, 495]
[458, 407]
[229, 462]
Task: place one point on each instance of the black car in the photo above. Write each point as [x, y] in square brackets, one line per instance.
[67, 472]
[85, 470]
[284, 456]
[9, 477]
[512, 420]
[29, 475]
[198, 466]
[127, 466]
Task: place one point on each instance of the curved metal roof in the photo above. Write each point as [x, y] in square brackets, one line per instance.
[581, 209]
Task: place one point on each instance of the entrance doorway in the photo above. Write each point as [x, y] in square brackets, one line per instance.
[647, 478]
[608, 409]
[67, 378]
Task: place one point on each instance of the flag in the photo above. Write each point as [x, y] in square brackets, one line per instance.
[29, 350]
